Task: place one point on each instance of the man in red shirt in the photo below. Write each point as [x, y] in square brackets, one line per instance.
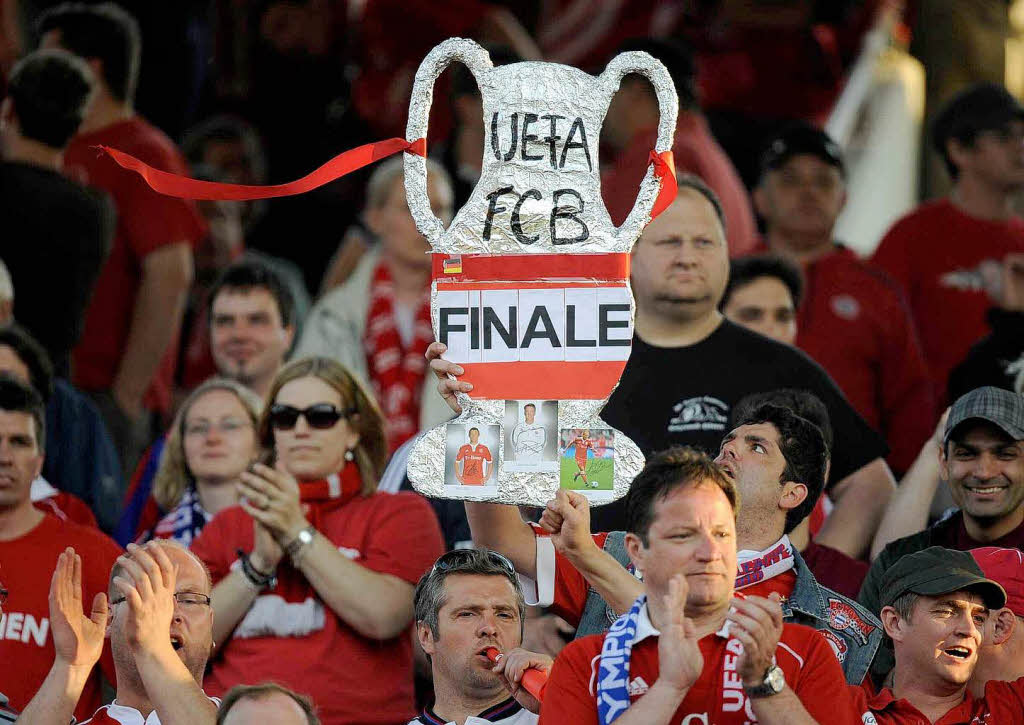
[936, 603]
[948, 253]
[30, 542]
[689, 648]
[472, 456]
[127, 352]
[1001, 656]
[630, 128]
[853, 319]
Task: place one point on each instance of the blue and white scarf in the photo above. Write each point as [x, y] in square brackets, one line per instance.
[182, 523]
[613, 670]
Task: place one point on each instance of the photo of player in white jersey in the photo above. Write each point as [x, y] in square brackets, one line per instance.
[531, 434]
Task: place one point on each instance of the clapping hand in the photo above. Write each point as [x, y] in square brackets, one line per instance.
[679, 657]
[271, 496]
[77, 637]
[757, 624]
[147, 584]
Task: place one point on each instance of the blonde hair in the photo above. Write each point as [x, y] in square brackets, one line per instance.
[173, 477]
[371, 453]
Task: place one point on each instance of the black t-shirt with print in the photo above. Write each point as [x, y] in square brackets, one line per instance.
[683, 396]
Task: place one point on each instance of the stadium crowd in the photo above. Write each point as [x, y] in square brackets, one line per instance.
[206, 408]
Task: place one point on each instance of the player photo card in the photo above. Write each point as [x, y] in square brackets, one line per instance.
[531, 436]
[587, 461]
[471, 460]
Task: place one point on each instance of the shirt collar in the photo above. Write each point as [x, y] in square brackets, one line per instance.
[644, 628]
[496, 713]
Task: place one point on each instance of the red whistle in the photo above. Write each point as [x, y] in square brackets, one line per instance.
[534, 681]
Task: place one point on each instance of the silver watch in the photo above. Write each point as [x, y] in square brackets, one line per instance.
[303, 539]
[774, 682]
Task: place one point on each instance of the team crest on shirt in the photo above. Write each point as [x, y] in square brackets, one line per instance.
[842, 616]
[839, 647]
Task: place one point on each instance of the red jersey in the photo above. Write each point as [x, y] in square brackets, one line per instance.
[66, 507]
[695, 151]
[1003, 703]
[944, 259]
[582, 445]
[290, 636]
[146, 221]
[855, 322]
[122, 715]
[473, 463]
[26, 566]
[810, 667]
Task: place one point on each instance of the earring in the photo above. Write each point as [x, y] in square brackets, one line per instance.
[349, 455]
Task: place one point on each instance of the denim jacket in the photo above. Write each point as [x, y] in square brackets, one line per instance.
[852, 631]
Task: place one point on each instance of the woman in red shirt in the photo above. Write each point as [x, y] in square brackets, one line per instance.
[315, 569]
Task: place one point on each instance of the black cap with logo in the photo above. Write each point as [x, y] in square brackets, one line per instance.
[935, 571]
[801, 138]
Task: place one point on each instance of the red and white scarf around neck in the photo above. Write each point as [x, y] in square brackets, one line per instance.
[396, 371]
[757, 566]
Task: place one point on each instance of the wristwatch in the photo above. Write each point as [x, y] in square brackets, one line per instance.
[773, 683]
[303, 539]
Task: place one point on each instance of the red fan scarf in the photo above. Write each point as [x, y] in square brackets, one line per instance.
[396, 371]
[327, 494]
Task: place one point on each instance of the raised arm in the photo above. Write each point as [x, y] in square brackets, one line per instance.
[500, 527]
[860, 501]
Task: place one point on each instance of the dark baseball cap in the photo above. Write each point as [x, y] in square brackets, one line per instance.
[1002, 408]
[980, 107]
[935, 571]
[801, 138]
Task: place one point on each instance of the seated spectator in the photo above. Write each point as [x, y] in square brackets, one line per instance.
[763, 295]
[631, 128]
[687, 631]
[935, 604]
[377, 324]
[853, 320]
[998, 358]
[468, 687]
[81, 475]
[947, 253]
[353, 556]
[46, 216]
[1001, 656]
[269, 702]
[212, 440]
[155, 589]
[250, 323]
[29, 542]
[777, 460]
[128, 351]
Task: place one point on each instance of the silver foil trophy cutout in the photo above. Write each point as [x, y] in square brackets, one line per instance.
[530, 288]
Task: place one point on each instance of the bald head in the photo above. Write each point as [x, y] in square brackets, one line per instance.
[268, 702]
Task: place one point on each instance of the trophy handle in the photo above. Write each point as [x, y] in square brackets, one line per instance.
[668, 103]
[479, 62]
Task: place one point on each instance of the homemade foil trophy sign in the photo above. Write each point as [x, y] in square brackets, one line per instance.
[530, 288]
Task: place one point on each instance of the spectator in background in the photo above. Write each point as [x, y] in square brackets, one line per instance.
[763, 295]
[269, 702]
[468, 687]
[128, 352]
[30, 542]
[949, 253]
[1001, 656]
[631, 128]
[81, 478]
[46, 217]
[998, 358]
[212, 440]
[377, 324]
[250, 318]
[703, 365]
[352, 556]
[854, 320]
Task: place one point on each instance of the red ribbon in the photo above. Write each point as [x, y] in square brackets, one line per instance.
[344, 163]
[665, 170]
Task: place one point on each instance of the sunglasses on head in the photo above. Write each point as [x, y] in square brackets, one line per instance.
[457, 558]
[320, 416]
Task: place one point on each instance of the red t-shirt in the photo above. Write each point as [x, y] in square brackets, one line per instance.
[290, 636]
[810, 667]
[943, 257]
[695, 151]
[856, 323]
[473, 463]
[146, 221]
[67, 507]
[26, 567]
[1003, 703]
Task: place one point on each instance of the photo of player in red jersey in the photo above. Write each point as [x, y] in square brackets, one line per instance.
[472, 460]
[586, 459]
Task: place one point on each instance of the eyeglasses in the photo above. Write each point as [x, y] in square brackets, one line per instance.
[185, 599]
[320, 416]
[228, 425]
[457, 558]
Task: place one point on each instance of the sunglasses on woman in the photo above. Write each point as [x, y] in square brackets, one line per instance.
[320, 416]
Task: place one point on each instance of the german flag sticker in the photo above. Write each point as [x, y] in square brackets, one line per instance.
[453, 265]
